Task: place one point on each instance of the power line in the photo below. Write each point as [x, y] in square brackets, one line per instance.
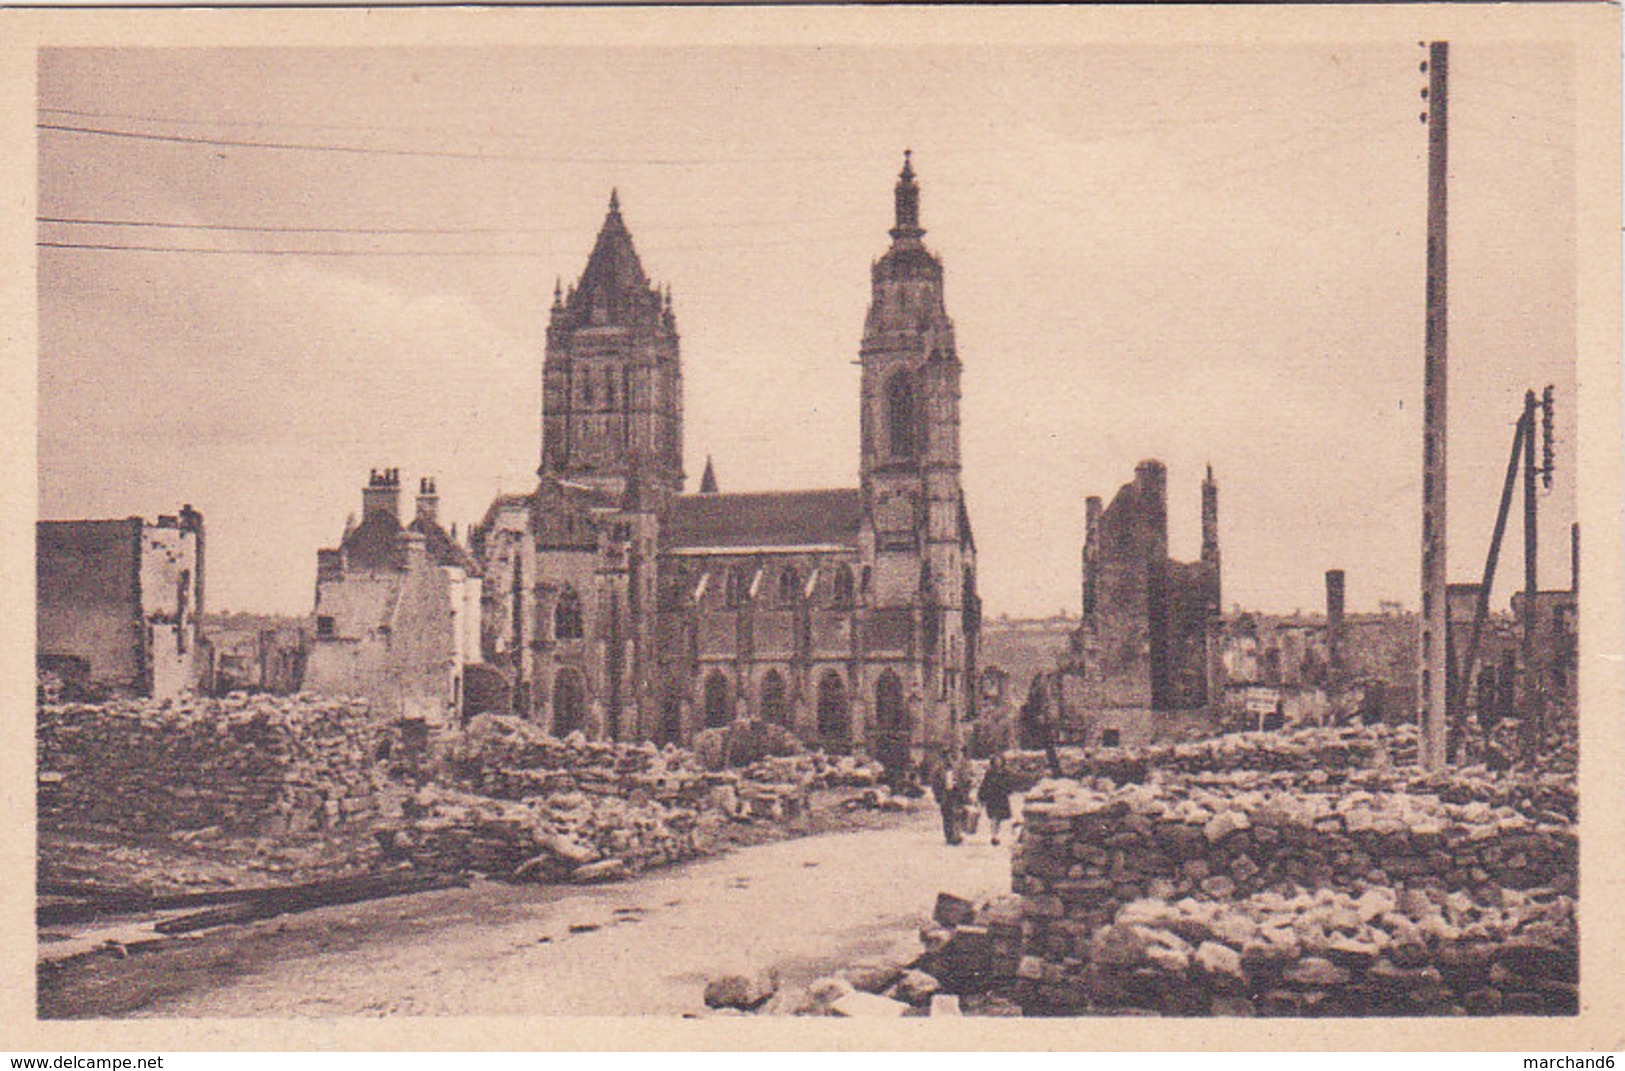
[176, 120]
[173, 225]
[533, 253]
[88, 221]
[446, 154]
[110, 247]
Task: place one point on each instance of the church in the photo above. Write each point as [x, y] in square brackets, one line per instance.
[617, 603]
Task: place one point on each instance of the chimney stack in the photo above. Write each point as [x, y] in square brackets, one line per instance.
[1334, 598]
[1091, 556]
[428, 501]
[382, 494]
[1334, 618]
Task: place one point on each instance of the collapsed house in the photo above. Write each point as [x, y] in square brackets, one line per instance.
[1137, 667]
[119, 603]
[397, 609]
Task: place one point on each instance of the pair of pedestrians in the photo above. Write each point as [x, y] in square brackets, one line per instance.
[952, 789]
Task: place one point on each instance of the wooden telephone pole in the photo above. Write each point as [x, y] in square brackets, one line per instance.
[1433, 693]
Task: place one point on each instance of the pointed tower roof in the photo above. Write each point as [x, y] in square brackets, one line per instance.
[708, 482]
[613, 289]
[614, 263]
[908, 202]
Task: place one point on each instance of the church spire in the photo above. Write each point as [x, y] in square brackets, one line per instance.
[908, 202]
[708, 482]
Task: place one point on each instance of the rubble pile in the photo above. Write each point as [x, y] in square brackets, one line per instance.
[508, 758]
[1330, 749]
[1414, 952]
[1186, 894]
[527, 806]
[247, 765]
[568, 836]
[815, 769]
[1087, 849]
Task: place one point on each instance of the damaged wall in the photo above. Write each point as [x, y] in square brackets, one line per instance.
[119, 602]
[1143, 640]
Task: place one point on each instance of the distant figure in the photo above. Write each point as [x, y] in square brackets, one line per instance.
[994, 792]
[1277, 718]
[949, 789]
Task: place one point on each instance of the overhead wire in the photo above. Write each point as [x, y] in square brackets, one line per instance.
[447, 154]
[90, 221]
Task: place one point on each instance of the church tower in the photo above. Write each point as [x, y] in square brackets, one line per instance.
[918, 540]
[612, 381]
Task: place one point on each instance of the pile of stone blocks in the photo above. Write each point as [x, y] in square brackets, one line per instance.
[1377, 891]
[1087, 849]
[246, 765]
[508, 758]
[568, 836]
[1327, 953]
[1329, 749]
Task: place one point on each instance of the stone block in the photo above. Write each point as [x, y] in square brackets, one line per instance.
[857, 1005]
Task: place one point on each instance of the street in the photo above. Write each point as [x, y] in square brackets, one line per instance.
[642, 947]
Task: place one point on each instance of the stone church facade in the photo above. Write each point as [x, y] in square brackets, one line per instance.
[619, 605]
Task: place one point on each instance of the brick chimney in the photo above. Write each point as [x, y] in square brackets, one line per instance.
[382, 494]
[428, 501]
[1334, 618]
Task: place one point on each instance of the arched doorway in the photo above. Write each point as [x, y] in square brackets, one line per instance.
[834, 724]
[569, 703]
[671, 720]
[774, 707]
[718, 712]
[890, 743]
[485, 691]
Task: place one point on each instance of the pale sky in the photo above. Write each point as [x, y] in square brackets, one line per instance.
[1196, 254]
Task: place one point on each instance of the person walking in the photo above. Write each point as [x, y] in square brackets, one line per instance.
[994, 792]
[949, 789]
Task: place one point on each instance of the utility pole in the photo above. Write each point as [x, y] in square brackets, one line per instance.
[1533, 713]
[1531, 584]
[1433, 709]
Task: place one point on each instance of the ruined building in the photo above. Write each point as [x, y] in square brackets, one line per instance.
[1142, 643]
[1279, 670]
[119, 603]
[620, 606]
[397, 609]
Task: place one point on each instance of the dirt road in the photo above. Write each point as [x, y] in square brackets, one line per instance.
[642, 947]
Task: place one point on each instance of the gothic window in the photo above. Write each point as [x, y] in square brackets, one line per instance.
[789, 586]
[736, 586]
[569, 703]
[717, 700]
[774, 707]
[842, 598]
[567, 616]
[674, 586]
[903, 416]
